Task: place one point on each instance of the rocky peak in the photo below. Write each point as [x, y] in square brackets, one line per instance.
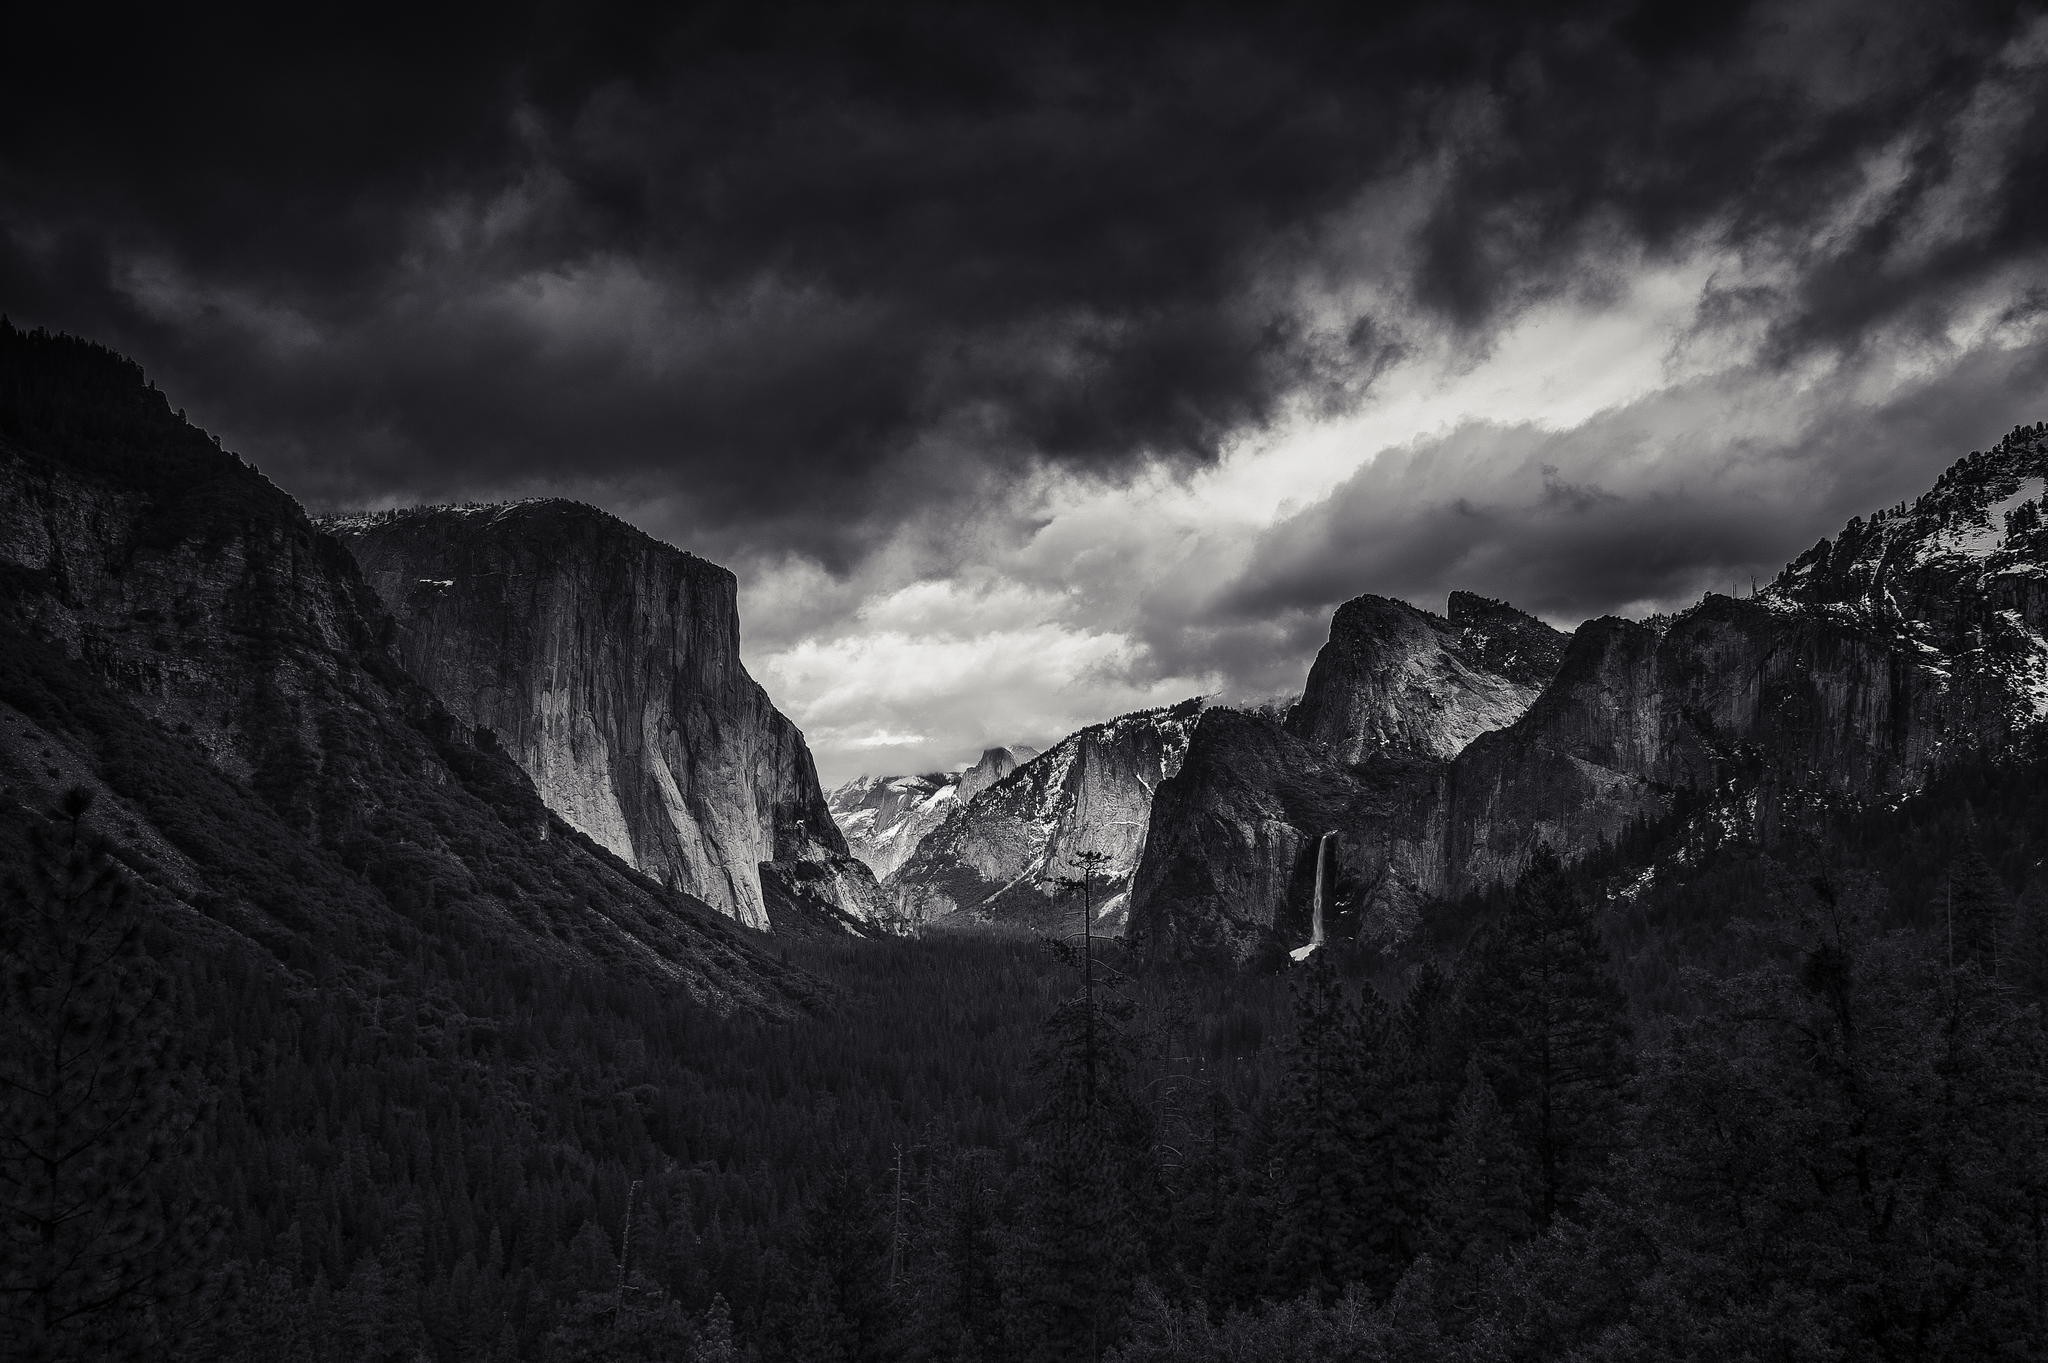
[993, 765]
[608, 664]
[1395, 680]
[1508, 642]
[884, 818]
[1011, 853]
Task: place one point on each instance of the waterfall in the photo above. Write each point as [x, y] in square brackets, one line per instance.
[1315, 936]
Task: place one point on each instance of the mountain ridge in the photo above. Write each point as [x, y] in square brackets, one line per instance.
[1915, 636]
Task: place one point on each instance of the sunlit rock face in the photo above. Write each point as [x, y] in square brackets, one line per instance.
[608, 665]
[183, 642]
[1916, 635]
[1400, 681]
[1229, 860]
[884, 818]
[1019, 851]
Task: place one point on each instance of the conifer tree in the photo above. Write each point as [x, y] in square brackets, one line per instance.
[713, 1341]
[1550, 1030]
[1412, 1086]
[1481, 1201]
[1088, 1182]
[1322, 1206]
[848, 1313]
[1238, 1265]
[1977, 905]
[2023, 962]
[958, 1285]
[96, 1102]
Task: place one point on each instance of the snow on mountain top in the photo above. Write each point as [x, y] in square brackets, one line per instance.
[348, 521]
[1981, 516]
[1980, 532]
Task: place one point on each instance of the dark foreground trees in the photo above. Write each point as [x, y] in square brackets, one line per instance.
[96, 1102]
[1833, 1153]
[1838, 1156]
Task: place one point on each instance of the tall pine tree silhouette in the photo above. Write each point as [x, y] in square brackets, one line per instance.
[95, 1103]
[1978, 908]
[1479, 1206]
[1322, 1213]
[2023, 962]
[1089, 1180]
[1549, 1027]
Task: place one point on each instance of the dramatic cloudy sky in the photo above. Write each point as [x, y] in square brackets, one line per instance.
[1030, 366]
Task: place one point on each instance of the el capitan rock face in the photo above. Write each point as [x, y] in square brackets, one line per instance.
[1001, 856]
[181, 641]
[884, 818]
[1400, 681]
[608, 665]
[1916, 635]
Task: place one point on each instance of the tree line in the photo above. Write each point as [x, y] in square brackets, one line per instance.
[1833, 1148]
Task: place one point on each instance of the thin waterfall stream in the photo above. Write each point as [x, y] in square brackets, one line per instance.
[1315, 932]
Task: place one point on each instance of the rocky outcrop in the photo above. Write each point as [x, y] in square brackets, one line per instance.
[884, 818]
[1229, 863]
[1916, 635]
[179, 638]
[608, 665]
[1399, 681]
[1020, 850]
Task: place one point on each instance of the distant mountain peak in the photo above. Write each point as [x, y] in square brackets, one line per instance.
[884, 818]
[1006, 853]
[1395, 680]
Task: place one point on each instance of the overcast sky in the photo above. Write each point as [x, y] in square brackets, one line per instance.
[1031, 366]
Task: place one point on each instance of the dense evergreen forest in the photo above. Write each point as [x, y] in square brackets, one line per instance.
[1781, 1102]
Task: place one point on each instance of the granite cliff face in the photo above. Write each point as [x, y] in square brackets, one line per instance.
[1916, 634]
[1400, 681]
[607, 663]
[1016, 850]
[1229, 862]
[181, 640]
[884, 818]
[1394, 695]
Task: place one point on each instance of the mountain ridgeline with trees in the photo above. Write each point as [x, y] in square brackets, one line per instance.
[324, 1036]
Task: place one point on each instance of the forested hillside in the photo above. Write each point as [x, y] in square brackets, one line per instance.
[1544, 1135]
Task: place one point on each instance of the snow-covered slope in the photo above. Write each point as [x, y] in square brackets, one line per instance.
[1013, 851]
[884, 818]
[1957, 581]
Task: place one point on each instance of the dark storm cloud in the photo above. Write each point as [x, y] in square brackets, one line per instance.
[1643, 506]
[791, 264]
